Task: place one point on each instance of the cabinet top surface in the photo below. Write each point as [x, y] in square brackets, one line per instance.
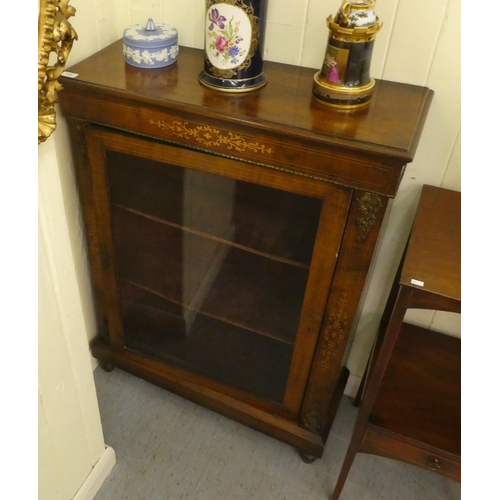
[392, 123]
[434, 249]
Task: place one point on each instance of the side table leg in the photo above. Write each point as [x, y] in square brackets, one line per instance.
[373, 379]
[344, 471]
[361, 388]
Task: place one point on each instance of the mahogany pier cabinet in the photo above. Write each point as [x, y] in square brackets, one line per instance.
[230, 235]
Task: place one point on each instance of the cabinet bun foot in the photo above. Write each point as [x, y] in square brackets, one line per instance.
[307, 458]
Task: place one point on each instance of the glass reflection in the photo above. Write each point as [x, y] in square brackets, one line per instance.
[212, 270]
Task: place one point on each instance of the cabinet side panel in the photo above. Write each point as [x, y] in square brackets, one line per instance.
[102, 237]
[326, 251]
[76, 130]
[363, 225]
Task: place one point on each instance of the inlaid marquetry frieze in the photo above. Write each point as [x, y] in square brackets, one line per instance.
[369, 206]
[211, 137]
[311, 421]
[335, 333]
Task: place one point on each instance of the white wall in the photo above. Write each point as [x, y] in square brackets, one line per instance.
[418, 44]
[73, 460]
[421, 45]
[70, 439]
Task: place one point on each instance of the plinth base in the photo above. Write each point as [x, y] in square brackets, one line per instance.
[342, 97]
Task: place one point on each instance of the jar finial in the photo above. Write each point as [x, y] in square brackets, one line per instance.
[150, 26]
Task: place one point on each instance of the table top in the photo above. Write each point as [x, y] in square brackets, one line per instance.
[433, 256]
[390, 125]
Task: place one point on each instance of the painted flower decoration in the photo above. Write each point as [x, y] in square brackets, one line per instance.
[221, 43]
[215, 18]
[223, 37]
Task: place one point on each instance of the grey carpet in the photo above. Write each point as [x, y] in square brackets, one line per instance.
[168, 448]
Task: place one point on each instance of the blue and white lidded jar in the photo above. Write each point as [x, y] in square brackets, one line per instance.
[153, 46]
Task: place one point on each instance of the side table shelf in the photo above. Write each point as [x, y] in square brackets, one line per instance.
[410, 407]
[405, 408]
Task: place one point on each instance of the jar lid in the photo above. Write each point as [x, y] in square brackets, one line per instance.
[151, 36]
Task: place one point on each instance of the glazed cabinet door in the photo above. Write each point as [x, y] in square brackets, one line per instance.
[214, 267]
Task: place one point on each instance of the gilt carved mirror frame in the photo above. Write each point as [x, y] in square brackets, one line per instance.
[55, 40]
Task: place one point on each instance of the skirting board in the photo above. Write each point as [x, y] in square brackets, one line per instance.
[94, 361]
[97, 475]
[353, 383]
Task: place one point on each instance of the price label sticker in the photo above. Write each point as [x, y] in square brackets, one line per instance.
[417, 282]
[68, 74]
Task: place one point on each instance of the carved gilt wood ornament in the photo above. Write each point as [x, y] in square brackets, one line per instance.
[55, 35]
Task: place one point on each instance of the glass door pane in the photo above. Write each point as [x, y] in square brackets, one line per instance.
[212, 270]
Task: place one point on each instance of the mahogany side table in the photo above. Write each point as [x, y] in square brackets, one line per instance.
[410, 409]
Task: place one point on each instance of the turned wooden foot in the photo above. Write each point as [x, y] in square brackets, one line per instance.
[107, 367]
[307, 458]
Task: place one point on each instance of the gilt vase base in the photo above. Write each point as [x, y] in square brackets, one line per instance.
[228, 85]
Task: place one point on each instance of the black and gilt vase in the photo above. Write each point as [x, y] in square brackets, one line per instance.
[234, 40]
[344, 80]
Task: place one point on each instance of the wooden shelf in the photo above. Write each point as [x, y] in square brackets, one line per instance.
[179, 310]
[218, 349]
[410, 402]
[200, 274]
[214, 238]
[274, 223]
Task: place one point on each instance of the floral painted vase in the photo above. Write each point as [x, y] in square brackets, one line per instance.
[344, 80]
[234, 37]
